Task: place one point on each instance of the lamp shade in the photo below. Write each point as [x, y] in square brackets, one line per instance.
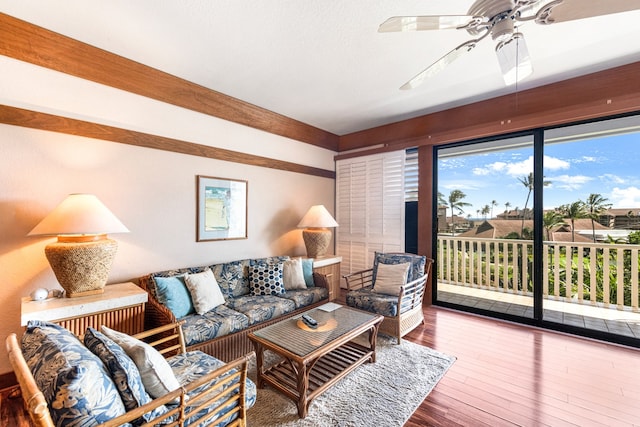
[81, 258]
[317, 217]
[79, 214]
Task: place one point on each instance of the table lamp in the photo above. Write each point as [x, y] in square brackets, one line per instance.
[82, 256]
[316, 234]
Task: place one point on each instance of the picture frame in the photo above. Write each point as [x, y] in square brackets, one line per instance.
[221, 208]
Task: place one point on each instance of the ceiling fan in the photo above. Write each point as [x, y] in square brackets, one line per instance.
[498, 18]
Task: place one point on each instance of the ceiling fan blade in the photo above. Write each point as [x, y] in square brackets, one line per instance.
[514, 60]
[424, 23]
[440, 64]
[571, 10]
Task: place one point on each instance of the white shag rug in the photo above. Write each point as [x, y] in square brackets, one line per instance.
[381, 394]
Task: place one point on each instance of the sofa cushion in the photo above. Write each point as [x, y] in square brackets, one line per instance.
[390, 278]
[266, 279]
[215, 323]
[416, 271]
[307, 271]
[368, 300]
[305, 297]
[74, 381]
[204, 290]
[192, 365]
[293, 275]
[261, 308]
[232, 277]
[153, 286]
[124, 373]
[172, 292]
[157, 376]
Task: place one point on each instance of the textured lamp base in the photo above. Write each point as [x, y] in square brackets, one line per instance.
[316, 240]
[82, 268]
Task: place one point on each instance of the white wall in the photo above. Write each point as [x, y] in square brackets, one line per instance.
[151, 191]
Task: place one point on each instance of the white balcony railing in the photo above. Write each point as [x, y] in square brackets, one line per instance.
[599, 274]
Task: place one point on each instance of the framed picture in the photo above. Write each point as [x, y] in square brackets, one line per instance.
[221, 209]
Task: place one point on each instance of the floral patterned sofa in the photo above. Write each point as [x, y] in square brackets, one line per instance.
[115, 379]
[252, 293]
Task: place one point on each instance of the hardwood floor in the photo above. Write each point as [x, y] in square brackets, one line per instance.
[507, 374]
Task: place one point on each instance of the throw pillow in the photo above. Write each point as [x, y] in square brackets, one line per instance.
[391, 277]
[74, 381]
[173, 293]
[266, 279]
[124, 373]
[292, 275]
[205, 292]
[418, 263]
[157, 376]
[307, 270]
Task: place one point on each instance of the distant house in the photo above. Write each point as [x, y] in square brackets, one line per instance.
[501, 228]
[627, 219]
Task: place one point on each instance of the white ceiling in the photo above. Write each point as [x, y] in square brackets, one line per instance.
[323, 62]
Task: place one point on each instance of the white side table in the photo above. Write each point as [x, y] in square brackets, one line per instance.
[120, 307]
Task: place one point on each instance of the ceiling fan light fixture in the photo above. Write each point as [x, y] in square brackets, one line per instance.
[514, 60]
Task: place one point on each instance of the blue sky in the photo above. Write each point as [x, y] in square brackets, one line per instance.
[609, 166]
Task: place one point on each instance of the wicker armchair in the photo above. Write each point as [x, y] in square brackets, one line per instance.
[218, 396]
[402, 313]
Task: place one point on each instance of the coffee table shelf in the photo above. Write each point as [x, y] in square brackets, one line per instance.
[323, 374]
[314, 360]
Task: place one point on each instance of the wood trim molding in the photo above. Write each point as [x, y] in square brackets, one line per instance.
[43, 121]
[27, 42]
[605, 93]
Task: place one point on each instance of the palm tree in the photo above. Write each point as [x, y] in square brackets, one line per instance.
[506, 207]
[456, 203]
[573, 211]
[527, 181]
[595, 205]
[485, 211]
[493, 203]
[551, 219]
[442, 200]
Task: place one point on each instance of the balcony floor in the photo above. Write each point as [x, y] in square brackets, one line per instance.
[625, 323]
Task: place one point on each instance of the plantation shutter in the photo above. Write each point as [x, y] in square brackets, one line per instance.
[369, 208]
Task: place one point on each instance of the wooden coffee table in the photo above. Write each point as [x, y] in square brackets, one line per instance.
[314, 360]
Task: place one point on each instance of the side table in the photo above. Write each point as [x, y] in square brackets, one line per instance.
[329, 265]
[120, 307]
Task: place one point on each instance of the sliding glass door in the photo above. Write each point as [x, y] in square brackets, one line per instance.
[485, 225]
[544, 227]
[592, 227]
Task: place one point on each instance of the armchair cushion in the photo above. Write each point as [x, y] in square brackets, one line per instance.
[156, 374]
[391, 277]
[191, 366]
[368, 300]
[417, 263]
[124, 373]
[74, 381]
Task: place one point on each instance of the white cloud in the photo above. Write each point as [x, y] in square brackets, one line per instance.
[569, 182]
[521, 168]
[625, 197]
[612, 178]
[553, 163]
